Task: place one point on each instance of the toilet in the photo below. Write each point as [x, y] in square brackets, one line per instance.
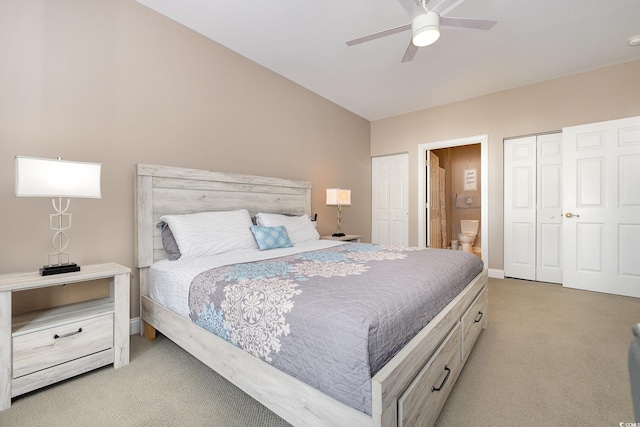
[469, 228]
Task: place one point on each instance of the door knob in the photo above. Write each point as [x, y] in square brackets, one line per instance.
[570, 215]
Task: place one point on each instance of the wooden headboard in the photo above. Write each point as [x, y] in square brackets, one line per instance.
[166, 190]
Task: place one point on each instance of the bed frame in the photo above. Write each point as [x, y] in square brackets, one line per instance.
[409, 390]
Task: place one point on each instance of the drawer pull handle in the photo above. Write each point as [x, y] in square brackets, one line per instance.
[444, 381]
[477, 319]
[56, 336]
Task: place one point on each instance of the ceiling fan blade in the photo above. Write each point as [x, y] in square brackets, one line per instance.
[379, 34]
[444, 7]
[466, 24]
[410, 53]
[412, 7]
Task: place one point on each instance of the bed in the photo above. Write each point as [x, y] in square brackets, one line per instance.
[409, 389]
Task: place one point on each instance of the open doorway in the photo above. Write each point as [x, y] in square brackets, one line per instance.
[481, 192]
[455, 193]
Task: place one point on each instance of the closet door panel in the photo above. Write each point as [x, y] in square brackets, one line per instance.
[520, 208]
[380, 189]
[549, 208]
[389, 200]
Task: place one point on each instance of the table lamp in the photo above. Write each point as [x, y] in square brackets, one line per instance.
[58, 179]
[338, 197]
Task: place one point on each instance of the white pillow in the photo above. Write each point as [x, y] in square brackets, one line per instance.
[211, 233]
[299, 228]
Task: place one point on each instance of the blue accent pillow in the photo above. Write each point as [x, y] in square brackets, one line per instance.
[271, 237]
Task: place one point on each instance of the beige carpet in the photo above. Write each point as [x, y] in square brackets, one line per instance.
[161, 386]
[551, 357]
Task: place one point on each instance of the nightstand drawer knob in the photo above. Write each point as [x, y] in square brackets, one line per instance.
[56, 336]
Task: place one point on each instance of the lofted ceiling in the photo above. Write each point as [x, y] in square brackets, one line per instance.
[304, 41]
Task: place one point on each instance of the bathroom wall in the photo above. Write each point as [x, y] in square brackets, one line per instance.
[455, 161]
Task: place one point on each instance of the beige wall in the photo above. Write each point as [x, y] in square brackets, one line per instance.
[111, 81]
[604, 94]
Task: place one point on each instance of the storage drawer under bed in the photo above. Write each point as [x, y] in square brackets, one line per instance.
[473, 322]
[421, 403]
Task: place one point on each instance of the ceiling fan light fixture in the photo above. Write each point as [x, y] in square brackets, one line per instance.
[634, 41]
[425, 29]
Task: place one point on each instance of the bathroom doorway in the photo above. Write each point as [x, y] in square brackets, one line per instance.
[459, 196]
[461, 202]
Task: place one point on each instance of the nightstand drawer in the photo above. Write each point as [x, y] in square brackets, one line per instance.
[49, 347]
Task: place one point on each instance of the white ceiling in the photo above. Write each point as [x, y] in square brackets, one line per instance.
[304, 41]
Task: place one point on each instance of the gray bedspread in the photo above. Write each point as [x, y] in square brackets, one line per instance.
[333, 317]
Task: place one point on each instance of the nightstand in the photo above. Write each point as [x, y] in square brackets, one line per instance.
[46, 346]
[346, 238]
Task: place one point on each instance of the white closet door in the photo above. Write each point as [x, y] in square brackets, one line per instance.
[520, 208]
[389, 199]
[549, 208]
[380, 191]
[533, 208]
[602, 206]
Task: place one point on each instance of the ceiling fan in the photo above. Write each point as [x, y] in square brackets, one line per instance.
[425, 25]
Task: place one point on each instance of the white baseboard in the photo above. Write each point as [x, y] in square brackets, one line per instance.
[496, 274]
[134, 326]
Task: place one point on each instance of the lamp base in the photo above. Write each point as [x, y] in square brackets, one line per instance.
[48, 270]
[338, 234]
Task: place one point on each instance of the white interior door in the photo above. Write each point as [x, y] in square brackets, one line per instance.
[602, 206]
[549, 208]
[520, 208]
[380, 192]
[533, 208]
[389, 198]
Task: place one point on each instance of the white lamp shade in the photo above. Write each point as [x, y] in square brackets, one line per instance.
[425, 29]
[338, 196]
[57, 178]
